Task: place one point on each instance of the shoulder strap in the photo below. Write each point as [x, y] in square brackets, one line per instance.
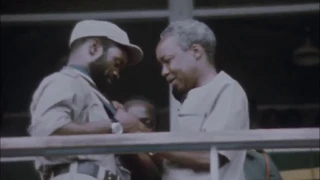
[111, 111]
[267, 163]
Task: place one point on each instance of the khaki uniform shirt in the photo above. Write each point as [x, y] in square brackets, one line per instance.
[64, 97]
[219, 105]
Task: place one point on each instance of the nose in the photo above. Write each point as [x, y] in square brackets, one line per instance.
[164, 71]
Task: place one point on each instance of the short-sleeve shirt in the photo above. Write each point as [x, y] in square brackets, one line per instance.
[219, 105]
[63, 97]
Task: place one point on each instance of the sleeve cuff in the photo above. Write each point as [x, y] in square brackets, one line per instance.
[44, 128]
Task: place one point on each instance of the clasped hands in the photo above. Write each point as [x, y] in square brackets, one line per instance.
[129, 121]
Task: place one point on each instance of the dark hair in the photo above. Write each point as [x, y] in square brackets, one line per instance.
[135, 99]
[141, 98]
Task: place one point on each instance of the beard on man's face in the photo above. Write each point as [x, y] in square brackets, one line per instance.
[98, 69]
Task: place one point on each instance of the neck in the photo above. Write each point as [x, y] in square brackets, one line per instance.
[207, 73]
[78, 61]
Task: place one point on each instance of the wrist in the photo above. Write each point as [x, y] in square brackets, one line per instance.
[116, 128]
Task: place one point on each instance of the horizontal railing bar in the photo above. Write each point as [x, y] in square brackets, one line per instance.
[270, 151]
[17, 159]
[258, 10]
[163, 14]
[288, 106]
[157, 142]
[12, 115]
[292, 150]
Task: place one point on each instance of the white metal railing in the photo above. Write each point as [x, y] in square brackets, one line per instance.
[12, 115]
[164, 14]
[270, 151]
[157, 142]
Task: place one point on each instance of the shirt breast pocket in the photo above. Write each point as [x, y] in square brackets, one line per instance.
[191, 122]
[96, 112]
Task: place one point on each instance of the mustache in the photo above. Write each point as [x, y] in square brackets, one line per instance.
[102, 71]
[111, 75]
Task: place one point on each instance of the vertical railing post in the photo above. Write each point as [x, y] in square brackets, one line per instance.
[214, 163]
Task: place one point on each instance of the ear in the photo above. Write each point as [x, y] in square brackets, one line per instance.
[197, 51]
[95, 47]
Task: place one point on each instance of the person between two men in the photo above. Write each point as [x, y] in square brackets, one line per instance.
[68, 102]
[142, 165]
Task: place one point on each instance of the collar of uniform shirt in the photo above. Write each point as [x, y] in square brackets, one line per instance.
[80, 68]
[85, 73]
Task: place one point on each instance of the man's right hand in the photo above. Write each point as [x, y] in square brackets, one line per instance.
[117, 105]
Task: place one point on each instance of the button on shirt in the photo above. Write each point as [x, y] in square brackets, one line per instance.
[63, 97]
[219, 105]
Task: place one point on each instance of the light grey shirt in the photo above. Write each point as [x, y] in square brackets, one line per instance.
[219, 105]
[63, 97]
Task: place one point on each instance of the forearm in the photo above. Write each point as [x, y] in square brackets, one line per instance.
[149, 164]
[141, 164]
[158, 161]
[75, 128]
[193, 160]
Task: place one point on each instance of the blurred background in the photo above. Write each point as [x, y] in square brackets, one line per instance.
[274, 56]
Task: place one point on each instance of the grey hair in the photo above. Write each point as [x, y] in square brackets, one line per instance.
[191, 32]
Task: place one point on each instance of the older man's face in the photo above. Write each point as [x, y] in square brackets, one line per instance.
[178, 66]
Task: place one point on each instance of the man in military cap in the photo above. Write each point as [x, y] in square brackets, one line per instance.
[68, 102]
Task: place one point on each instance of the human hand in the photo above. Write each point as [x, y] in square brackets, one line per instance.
[129, 122]
[117, 105]
[144, 128]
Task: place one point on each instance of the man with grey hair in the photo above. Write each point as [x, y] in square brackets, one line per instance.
[68, 102]
[210, 100]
